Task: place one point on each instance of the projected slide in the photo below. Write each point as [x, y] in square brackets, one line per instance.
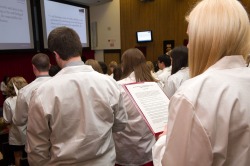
[57, 14]
[16, 26]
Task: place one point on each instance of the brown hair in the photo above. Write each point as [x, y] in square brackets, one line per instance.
[66, 42]
[151, 66]
[95, 65]
[134, 60]
[41, 62]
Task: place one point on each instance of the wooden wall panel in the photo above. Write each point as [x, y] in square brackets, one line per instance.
[166, 18]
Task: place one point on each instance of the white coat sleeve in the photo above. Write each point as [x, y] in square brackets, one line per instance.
[20, 116]
[38, 133]
[158, 150]
[169, 88]
[187, 143]
[7, 114]
[120, 115]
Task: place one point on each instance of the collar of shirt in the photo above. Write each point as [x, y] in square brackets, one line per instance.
[228, 62]
[75, 63]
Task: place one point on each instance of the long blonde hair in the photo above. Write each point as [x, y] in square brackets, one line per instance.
[217, 28]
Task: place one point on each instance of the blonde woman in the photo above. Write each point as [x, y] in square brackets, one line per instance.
[209, 115]
[16, 134]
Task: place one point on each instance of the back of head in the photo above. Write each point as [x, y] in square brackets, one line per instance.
[217, 28]
[113, 64]
[165, 59]
[53, 70]
[95, 65]
[134, 60]
[104, 67]
[41, 62]
[66, 42]
[151, 66]
[117, 73]
[18, 81]
[179, 57]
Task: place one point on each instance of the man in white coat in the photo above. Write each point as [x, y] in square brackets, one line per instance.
[40, 65]
[72, 116]
[164, 64]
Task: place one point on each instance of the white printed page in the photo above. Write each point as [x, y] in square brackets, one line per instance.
[152, 102]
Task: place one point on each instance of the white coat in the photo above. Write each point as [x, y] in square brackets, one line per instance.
[134, 144]
[166, 72]
[174, 81]
[16, 133]
[71, 119]
[209, 118]
[23, 98]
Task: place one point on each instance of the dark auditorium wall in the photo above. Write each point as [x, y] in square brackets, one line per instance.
[19, 64]
[166, 18]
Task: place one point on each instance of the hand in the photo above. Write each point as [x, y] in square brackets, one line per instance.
[163, 133]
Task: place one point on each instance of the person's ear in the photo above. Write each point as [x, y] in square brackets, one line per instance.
[56, 54]
[33, 67]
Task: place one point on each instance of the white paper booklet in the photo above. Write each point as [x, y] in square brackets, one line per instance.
[151, 102]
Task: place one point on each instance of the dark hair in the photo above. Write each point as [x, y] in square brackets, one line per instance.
[6, 79]
[179, 57]
[66, 42]
[165, 59]
[54, 69]
[104, 67]
[134, 60]
[117, 73]
[41, 62]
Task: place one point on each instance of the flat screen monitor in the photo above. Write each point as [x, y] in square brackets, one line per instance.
[144, 36]
[57, 13]
[16, 25]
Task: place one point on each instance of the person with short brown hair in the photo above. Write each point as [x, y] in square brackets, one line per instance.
[72, 116]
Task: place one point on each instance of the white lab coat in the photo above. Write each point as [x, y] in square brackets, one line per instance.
[174, 81]
[23, 98]
[16, 133]
[71, 119]
[166, 72]
[134, 144]
[209, 118]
